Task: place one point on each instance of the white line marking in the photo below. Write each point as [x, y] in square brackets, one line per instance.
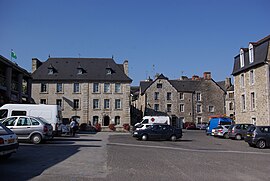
[193, 150]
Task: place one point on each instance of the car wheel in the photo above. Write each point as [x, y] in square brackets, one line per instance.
[173, 138]
[226, 136]
[261, 144]
[36, 139]
[144, 137]
[238, 137]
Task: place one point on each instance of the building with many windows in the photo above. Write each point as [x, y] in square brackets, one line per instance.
[184, 100]
[15, 83]
[252, 83]
[95, 89]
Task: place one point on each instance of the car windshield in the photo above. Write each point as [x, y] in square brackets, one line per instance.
[251, 128]
[3, 113]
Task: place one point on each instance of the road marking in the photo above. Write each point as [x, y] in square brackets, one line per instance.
[193, 150]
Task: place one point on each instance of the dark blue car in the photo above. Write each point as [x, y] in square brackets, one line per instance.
[159, 132]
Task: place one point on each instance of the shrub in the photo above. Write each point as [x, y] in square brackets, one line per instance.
[112, 127]
[126, 126]
[83, 127]
[98, 127]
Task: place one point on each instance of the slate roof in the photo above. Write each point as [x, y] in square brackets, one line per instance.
[260, 56]
[222, 85]
[180, 85]
[94, 69]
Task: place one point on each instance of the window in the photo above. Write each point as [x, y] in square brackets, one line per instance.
[59, 87]
[251, 53]
[117, 104]
[95, 120]
[117, 87]
[198, 96]
[50, 71]
[156, 96]
[211, 109]
[156, 107]
[76, 104]
[76, 87]
[108, 71]
[231, 95]
[159, 86]
[95, 103]
[169, 108]
[254, 121]
[10, 121]
[43, 87]
[34, 122]
[106, 103]
[3, 113]
[199, 108]
[96, 87]
[243, 102]
[117, 120]
[252, 97]
[230, 106]
[24, 122]
[199, 120]
[242, 80]
[169, 96]
[251, 76]
[242, 58]
[182, 108]
[43, 101]
[181, 96]
[59, 102]
[107, 87]
[18, 113]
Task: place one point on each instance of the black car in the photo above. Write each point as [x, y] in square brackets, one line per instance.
[258, 136]
[238, 131]
[159, 132]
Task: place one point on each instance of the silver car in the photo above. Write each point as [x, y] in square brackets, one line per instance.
[35, 129]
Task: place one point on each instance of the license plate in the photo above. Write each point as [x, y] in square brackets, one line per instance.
[11, 140]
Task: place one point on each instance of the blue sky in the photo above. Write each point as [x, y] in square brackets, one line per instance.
[173, 37]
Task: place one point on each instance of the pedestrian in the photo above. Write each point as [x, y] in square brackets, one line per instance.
[73, 126]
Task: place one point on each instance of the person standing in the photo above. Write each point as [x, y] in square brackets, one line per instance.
[73, 126]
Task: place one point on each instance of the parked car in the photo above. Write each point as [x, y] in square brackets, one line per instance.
[202, 126]
[216, 121]
[258, 136]
[238, 131]
[8, 142]
[35, 129]
[190, 125]
[159, 132]
[222, 131]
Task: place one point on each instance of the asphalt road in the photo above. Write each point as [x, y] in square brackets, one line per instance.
[119, 156]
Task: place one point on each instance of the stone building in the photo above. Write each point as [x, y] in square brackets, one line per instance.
[95, 89]
[229, 98]
[251, 83]
[184, 100]
[15, 83]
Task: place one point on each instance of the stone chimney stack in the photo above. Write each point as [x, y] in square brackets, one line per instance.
[228, 83]
[183, 78]
[126, 67]
[35, 64]
[195, 77]
[207, 76]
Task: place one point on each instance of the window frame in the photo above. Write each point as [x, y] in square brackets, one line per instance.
[95, 87]
[57, 88]
[76, 87]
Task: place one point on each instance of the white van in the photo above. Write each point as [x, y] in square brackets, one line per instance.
[154, 119]
[52, 113]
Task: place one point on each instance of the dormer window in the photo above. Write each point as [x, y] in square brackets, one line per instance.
[242, 58]
[109, 71]
[251, 53]
[51, 70]
[80, 70]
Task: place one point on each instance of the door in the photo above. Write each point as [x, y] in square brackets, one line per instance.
[23, 127]
[106, 121]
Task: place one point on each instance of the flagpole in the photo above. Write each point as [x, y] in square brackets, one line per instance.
[11, 54]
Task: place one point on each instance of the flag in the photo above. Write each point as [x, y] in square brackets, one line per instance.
[13, 54]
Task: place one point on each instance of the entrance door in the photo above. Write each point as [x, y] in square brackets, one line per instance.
[106, 121]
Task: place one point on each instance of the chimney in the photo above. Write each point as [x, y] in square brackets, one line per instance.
[183, 78]
[195, 77]
[228, 83]
[35, 64]
[207, 75]
[125, 64]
